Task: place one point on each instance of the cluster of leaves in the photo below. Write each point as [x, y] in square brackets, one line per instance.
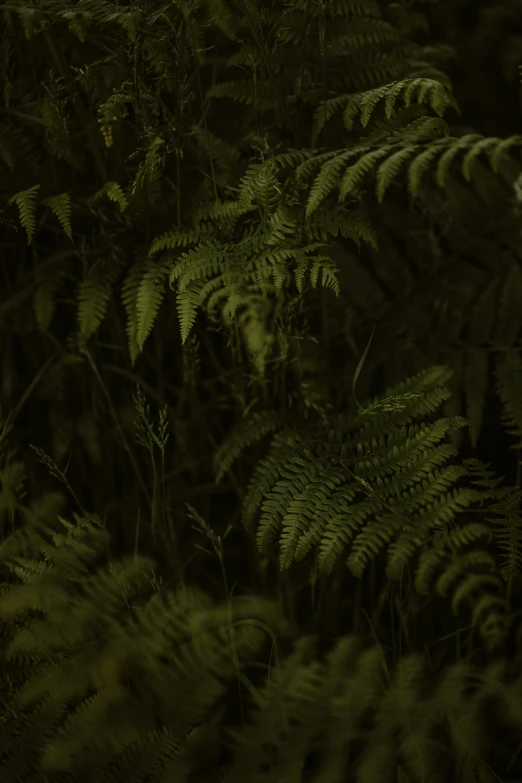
[176, 150]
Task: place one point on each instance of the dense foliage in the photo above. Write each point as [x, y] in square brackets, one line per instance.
[261, 395]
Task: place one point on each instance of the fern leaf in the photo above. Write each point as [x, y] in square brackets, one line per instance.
[149, 297]
[508, 530]
[61, 206]
[447, 157]
[421, 164]
[173, 239]
[25, 200]
[114, 192]
[500, 150]
[356, 173]
[129, 297]
[188, 302]
[388, 170]
[482, 145]
[327, 179]
[324, 111]
[247, 432]
[94, 295]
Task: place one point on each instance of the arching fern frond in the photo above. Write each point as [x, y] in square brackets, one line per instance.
[380, 483]
[422, 157]
[425, 91]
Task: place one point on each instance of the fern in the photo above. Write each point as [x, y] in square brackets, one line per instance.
[364, 719]
[25, 200]
[114, 192]
[61, 206]
[428, 90]
[245, 434]
[94, 295]
[508, 530]
[112, 657]
[149, 298]
[332, 497]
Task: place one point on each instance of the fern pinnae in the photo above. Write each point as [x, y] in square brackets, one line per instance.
[422, 162]
[25, 200]
[187, 305]
[304, 169]
[358, 171]
[507, 530]
[327, 179]
[61, 207]
[388, 170]
[129, 295]
[480, 146]
[149, 298]
[446, 159]
[363, 102]
[170, 240]
[498, 153]
[95, 292]
[247, 432]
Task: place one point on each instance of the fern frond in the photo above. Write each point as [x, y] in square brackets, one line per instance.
[149, 298]
[61, 206]
[129, 297]
[471, 575]
[173, 239]
[455, 146]
[422, 163]
[25, 200]
[351, 223]
[325, 111]
[508, 530]
[356, 173]
[114, 192]
[94, 295]
[333, 497]
[424, 90]
[327, 179]
[388, 170]
[247, 432]
[241, 90]
[187, 304]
